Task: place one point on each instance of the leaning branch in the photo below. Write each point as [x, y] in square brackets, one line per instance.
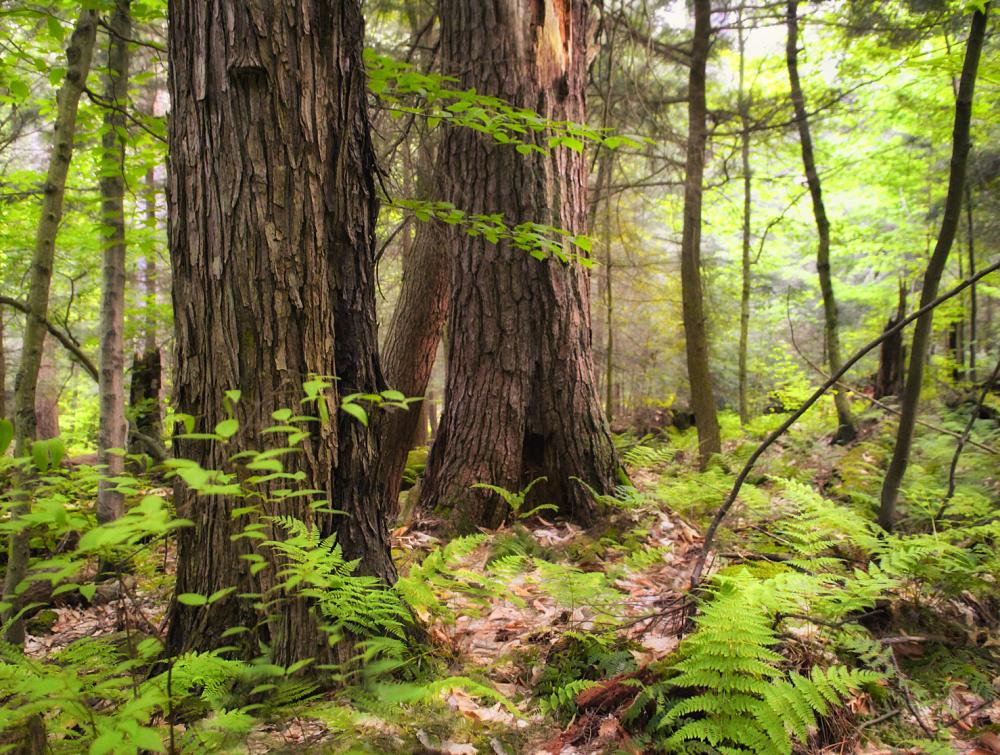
[60, 335]
[831, 381]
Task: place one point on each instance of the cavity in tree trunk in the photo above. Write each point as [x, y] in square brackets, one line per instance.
[744, 108]
[521, 399]
[272, 217]
[846, 425]
[695, 325]
[935, 267]
[111, 384]
[78, 56]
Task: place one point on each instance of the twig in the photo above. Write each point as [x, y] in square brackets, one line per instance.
[965, 438]
[62, 337]
[759, 451]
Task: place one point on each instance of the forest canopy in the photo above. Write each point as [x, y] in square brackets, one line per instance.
[528, 376]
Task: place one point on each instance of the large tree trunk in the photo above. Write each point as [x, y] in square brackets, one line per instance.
[846, 424]
[695, 326]
[78, 56]
[935, 267]
[111, 384]
[272, 215]
[521, 399]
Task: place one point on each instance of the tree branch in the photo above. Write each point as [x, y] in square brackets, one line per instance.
[75, 351]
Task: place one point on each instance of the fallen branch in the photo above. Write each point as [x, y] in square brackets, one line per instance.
[795, 416]
[885, 407]
[60, 335]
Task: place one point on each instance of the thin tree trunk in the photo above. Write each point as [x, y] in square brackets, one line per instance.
[3, 373]
[147, 367]
[78, 57]
[112, 433]
[609, 297]
[973, 304]
[846, 424]
[521, 398]
[745, 283]
[47, 393]
[935, 267]
[695, 325]
[411, 343]
[272, 216]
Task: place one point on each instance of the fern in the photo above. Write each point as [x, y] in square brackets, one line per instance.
[736, 697]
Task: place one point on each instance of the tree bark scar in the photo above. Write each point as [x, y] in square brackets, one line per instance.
[553, 43]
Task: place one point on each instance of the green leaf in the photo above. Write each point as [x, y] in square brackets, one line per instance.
[357, 412]
[227, 428]
[192, 599]
[88, 591]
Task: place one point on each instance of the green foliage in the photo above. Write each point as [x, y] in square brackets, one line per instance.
[517, 500]
[735, 695]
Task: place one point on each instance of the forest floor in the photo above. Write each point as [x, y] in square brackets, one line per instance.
[548, 631]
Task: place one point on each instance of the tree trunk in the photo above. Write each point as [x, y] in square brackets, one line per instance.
[935, 267]
[411, 342]
[744, 107]
[111, 385]
[695, 325]
[147, 367]
[521, 399]
[3, 373]
[272, 216]
[891, 362]
[846, 424]
[973, 303]
[47, 394]
[78, 56]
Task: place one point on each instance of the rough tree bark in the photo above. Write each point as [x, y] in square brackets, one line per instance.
[745, 282]
[695, 325]
[411, 342]
[521, 399]
[272, 215]
[78, 56]
[112, 431]
[846, 424]
[935, 267]
[970, 232]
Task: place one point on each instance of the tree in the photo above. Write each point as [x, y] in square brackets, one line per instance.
[520, 399]
[695, 328]
[745, 282]
[935, 268]
[272, 213]
[846, 424]
[79, 52]
[113, 428]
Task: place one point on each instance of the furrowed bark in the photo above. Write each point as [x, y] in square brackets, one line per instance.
[272, 215]
[78, 56]
[935, 267]
[695, 320]
[112, 432]
[846, 424]
[521, 398]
